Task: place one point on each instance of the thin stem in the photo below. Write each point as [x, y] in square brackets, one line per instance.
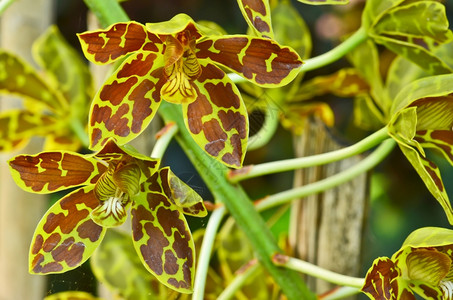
[205, 252]
[336, 53]
[340, 293]
[4, 4]
[164, 139]
[308, 161]
[238, 281]
[363, 166]
[80, 131]
[318, 272]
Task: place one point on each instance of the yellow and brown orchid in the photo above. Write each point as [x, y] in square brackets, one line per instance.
[423, 266]
[112, 179]
[180, 61]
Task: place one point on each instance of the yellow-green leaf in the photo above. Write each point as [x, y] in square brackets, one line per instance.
[257, 13]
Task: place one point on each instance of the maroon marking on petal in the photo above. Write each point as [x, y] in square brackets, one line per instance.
[223, 95]
[429, 292]
[73, 215]
[437, 180]
[116, 92]
[133, 35]
[215, 135]
[259, 24]
[89, 230]
[70, 252]
[211, 72]
[256, 5]
[171, 263]
[36, 263]
[232, 120]
[181, 246]
[138, 67]
[116, 122]
[154, 185]
[169, 219]
[153, 250]
[138, 215]
[235, 157]
[195, 112]
[51, 242]
[141, 107]
[179, 284]
[96, 135]
[37, 245]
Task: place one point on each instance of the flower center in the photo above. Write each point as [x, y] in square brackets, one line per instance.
[181, 69]
[113, 190]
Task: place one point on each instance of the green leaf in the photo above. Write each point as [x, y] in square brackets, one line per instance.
[162, 237]
[19, 78]
[290, 29]
[418, 19]
[49, 172]
[429, 237]
[116, 265]
[65, 69]
[18, 126]
[375, 9]
[218, 120]
[66, 236]
[257, 13]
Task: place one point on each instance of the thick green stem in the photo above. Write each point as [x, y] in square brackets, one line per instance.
[107, 11]
[336, 53]
[80, 132]
[239, 206]
[205, 252]
[308, 161]
[318, 272]
[164, 140]
[267, 131]
[366, 164]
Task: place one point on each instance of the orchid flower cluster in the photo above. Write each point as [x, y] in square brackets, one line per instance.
[188, 67]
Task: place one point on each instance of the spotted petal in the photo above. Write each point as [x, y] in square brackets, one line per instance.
[429, 237]
[218, 120]
[182, 195]
[162, 237]
[383, 282]
[66, 236]
[117, 41]
[127, 101]
[262, 61]
[49, 172]
[257, 14]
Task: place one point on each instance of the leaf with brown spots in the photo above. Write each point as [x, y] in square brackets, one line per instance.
[128, 100]
[162, 237]
[66, 236]
[257, 13]
[218, 119]
[261, 61]
[49, 172]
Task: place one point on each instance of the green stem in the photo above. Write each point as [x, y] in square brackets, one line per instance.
[318, 272]
[239, 206]
[80, 131]
[107, 11]
[336, 53]
[4, 4]
[363, 166]
[238, 281]
[205, 252]
[308, 161]
[340, 293]
[164, 140]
